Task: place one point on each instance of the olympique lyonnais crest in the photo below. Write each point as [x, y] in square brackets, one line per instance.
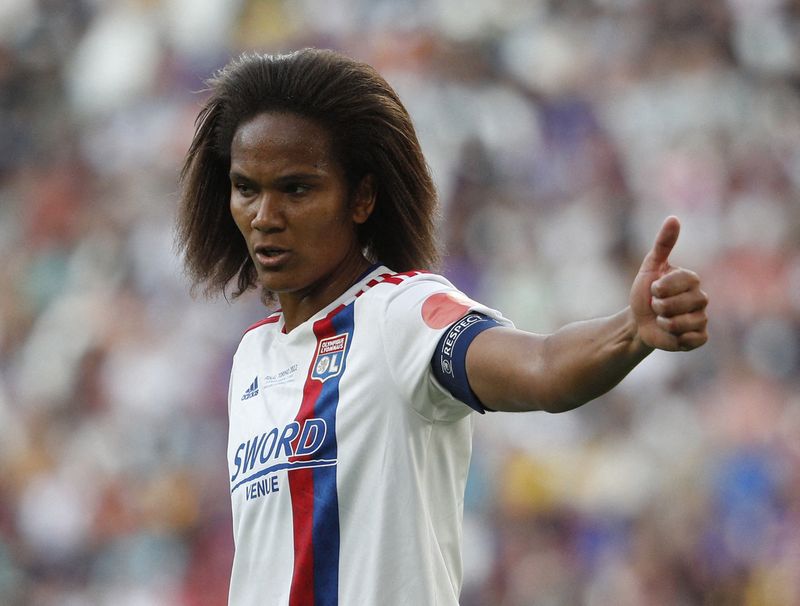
[330, 357]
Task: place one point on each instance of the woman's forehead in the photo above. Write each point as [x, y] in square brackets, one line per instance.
[276, 138]
[281, 130]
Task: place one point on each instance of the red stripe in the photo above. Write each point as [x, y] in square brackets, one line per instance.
[301, 486]
[397, 278]
[392, 278]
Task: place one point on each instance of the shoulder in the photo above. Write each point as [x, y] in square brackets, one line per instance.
[421, 297]
[416, 297]
[256, 337]
[385, 276]
[386, 285]
[264, 328]
[270, 319]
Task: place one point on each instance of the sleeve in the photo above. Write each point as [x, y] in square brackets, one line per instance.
[416, 317]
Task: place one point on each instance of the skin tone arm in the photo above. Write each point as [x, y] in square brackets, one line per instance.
[512, 370]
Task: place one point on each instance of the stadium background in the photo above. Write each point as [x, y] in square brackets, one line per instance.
[560, 134]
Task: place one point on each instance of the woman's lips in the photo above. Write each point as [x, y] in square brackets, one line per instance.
[271, 257]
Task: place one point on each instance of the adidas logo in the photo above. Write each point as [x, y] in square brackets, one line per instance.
[251, 391]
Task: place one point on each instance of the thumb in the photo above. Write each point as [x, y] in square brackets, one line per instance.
[662, 247]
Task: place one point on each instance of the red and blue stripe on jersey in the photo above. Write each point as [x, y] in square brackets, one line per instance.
[315, 505]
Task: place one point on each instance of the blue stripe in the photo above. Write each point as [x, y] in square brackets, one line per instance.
[325, 531]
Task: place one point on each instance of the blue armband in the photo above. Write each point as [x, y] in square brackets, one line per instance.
[449, 363]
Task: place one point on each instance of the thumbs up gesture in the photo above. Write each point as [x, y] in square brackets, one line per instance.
[666, 301]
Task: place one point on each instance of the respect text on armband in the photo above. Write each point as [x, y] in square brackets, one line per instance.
[449, 342]
[296, 445]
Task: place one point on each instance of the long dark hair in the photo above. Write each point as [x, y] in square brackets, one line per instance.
[371, 132]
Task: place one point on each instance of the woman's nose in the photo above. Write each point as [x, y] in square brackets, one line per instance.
[269, 214]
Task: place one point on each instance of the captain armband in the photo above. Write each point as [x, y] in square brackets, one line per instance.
[449, 363]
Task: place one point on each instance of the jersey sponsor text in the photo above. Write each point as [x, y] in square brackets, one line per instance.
[292, 446]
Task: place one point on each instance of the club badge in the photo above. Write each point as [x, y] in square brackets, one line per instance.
[329, 359]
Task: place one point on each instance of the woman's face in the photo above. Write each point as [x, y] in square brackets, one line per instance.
[290, 200]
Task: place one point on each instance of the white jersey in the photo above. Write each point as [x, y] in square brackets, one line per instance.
[347, 460]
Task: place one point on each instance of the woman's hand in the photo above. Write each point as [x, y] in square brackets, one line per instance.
[668, 306]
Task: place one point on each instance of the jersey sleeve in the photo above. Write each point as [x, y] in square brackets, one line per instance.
[417, 316]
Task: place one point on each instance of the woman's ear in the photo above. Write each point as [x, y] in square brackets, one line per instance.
[364, 199]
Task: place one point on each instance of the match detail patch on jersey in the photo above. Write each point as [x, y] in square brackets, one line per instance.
[328, 359]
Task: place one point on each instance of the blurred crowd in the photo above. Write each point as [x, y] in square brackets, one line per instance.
[560, 134]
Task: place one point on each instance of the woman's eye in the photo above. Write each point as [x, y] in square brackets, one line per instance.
[297, 189]
[243, 188]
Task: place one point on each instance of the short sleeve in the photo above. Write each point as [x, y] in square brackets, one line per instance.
[416, 316]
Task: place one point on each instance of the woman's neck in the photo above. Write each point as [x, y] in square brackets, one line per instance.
[299, 306]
